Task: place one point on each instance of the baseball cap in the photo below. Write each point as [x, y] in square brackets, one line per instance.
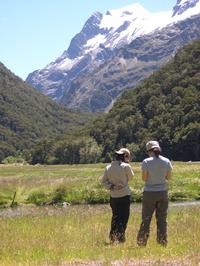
[123, 151]
[152, 145]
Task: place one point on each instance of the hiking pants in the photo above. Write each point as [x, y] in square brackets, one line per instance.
[120, 215]
[154, 201]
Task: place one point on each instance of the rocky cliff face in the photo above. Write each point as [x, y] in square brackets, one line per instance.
[113, 52]
[183, 5]
[129, 66]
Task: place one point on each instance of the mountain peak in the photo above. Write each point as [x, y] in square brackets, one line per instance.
[183, 5]
[136, 9]
[98, 41]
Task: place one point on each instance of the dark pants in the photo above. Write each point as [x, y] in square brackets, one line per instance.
[158, 202]
[120, 215]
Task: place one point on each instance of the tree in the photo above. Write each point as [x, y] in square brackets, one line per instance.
[42, 152]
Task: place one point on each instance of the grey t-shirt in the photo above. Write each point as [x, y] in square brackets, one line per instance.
[157, 169]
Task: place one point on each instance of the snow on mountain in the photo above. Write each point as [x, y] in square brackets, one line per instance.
[132, 21]
[99, 38]
[113, 19]
[186, 5]
[65, 64]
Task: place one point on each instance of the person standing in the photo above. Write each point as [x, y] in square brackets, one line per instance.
[156, 171]
[116, 178]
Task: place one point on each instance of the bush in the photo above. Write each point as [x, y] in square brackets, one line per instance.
[13, 159]
[59, 195]
[38, 198]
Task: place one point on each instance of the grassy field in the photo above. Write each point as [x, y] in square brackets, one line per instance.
[77, 184]
[79, 235]
[31, 234]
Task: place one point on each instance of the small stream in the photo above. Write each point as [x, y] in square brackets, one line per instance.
[31, 210]
[185, 204]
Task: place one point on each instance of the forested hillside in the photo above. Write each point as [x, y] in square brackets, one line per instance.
[26, 115]
[165, 107]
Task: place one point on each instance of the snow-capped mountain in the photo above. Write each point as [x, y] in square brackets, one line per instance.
[99, 41]
[185, 5]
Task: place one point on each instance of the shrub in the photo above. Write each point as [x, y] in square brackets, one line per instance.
[13, 159]
[37, 197]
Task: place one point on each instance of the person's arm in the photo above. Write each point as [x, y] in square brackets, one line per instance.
[169, 172]
[108, 185]
[168, 175]
[105, 181]
[145, 175]
[129, 172]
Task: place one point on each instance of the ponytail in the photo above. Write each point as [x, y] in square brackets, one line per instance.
[119, 157]
[156, 152]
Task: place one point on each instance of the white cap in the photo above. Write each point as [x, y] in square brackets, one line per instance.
[123, 151]
[152, 145]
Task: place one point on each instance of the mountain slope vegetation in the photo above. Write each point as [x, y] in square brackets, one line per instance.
[165, 107]
[26, 115]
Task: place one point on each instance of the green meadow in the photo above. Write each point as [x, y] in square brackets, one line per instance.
[77, 184]
[40, 230]
[78, 235]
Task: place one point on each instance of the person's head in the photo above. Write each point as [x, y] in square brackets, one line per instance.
[123, 155]
[153, 148]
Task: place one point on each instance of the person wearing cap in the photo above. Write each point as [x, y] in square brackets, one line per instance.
[116, 178]
[156, 171]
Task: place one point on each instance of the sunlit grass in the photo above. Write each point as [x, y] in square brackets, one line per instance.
[80, 233]
[50, 235]
[80, 183]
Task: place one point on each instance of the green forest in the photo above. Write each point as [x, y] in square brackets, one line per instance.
[27, 116]
[164, 107]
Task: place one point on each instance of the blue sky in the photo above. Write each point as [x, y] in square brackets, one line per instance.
[35, 32]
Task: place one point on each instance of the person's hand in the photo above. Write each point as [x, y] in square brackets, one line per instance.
[119, 186]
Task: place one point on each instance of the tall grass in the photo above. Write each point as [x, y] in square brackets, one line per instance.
[80, 183]
[80, 233]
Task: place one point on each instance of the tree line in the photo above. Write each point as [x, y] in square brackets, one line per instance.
[165, 107]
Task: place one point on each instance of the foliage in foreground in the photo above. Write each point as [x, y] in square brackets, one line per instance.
[52, 236]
